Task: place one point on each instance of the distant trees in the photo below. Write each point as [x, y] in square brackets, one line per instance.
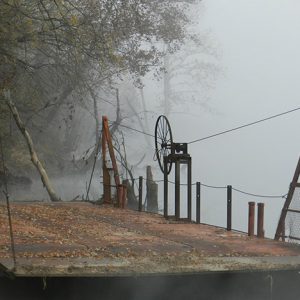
[54, 55]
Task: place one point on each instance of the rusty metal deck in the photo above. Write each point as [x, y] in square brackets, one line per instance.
[82, 239]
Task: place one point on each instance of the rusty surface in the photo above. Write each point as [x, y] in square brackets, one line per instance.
[251, 218]
[71, 239]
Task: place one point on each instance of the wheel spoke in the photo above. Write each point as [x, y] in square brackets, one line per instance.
[167, 131]
[160, 133]
[162, 129]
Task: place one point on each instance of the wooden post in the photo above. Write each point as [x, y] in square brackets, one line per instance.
[107, 140]
[106, 175]
[260, 220]
[152, 191]
[229, 207]
[198, 202]
[251, 216]
[131, 200]
[124, 196]
[140, 193]
[120, 192]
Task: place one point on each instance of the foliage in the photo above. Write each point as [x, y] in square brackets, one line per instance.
[52, 52]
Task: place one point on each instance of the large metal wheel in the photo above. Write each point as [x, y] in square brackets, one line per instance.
[163, 142]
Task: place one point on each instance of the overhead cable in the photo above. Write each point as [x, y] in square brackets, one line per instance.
[140, 131]
[245, 125]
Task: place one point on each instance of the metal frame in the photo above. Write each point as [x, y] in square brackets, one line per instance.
[168, 153]
[178, 159]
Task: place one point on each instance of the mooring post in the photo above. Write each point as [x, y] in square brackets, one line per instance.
[198, 202]
[260, 220]
[229, 207]
[120, 195]
[140, 193]
[151, 192]
[124, 199]
[251, 216]
[165, 187]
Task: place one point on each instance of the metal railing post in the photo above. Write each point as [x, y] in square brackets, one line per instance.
[140, 193]
[229, 207]
[198, 202]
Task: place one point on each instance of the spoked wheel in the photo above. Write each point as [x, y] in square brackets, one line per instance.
[163, 141]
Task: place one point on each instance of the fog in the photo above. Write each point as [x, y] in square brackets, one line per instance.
[257, 52]
[252, 73]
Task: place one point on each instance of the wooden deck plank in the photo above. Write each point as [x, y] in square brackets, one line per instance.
[72, 239]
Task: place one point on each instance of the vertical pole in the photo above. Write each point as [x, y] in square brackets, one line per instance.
[110, 149]
[189, 187]
[177, 189]
[260, 220]
[251, 216]
[124, 200]
[165, 186]
[120, 195]
[198, 202]
[151, 193]
[229, 207]
[106, 175]
[140, 193]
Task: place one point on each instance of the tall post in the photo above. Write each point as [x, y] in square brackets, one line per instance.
[124, 200]
[152, 192]
[251, 216]
[229, 207]
[120, 195]
[106, 175]
[189, 189]
[198, 202]
[165, 186]
[260, 220]
[177, 189]
[140, 193]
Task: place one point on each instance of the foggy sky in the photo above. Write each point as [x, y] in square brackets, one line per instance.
[258, 48]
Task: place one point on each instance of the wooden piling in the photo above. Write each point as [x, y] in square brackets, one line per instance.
[260, 220]
[251, 216]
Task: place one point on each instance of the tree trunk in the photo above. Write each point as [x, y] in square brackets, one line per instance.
[34, 157]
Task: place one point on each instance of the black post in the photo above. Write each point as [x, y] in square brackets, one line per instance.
[177, 189]
[165, 186]
[140, 193]
[198, 202]
[229, 207]
[189, 187]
